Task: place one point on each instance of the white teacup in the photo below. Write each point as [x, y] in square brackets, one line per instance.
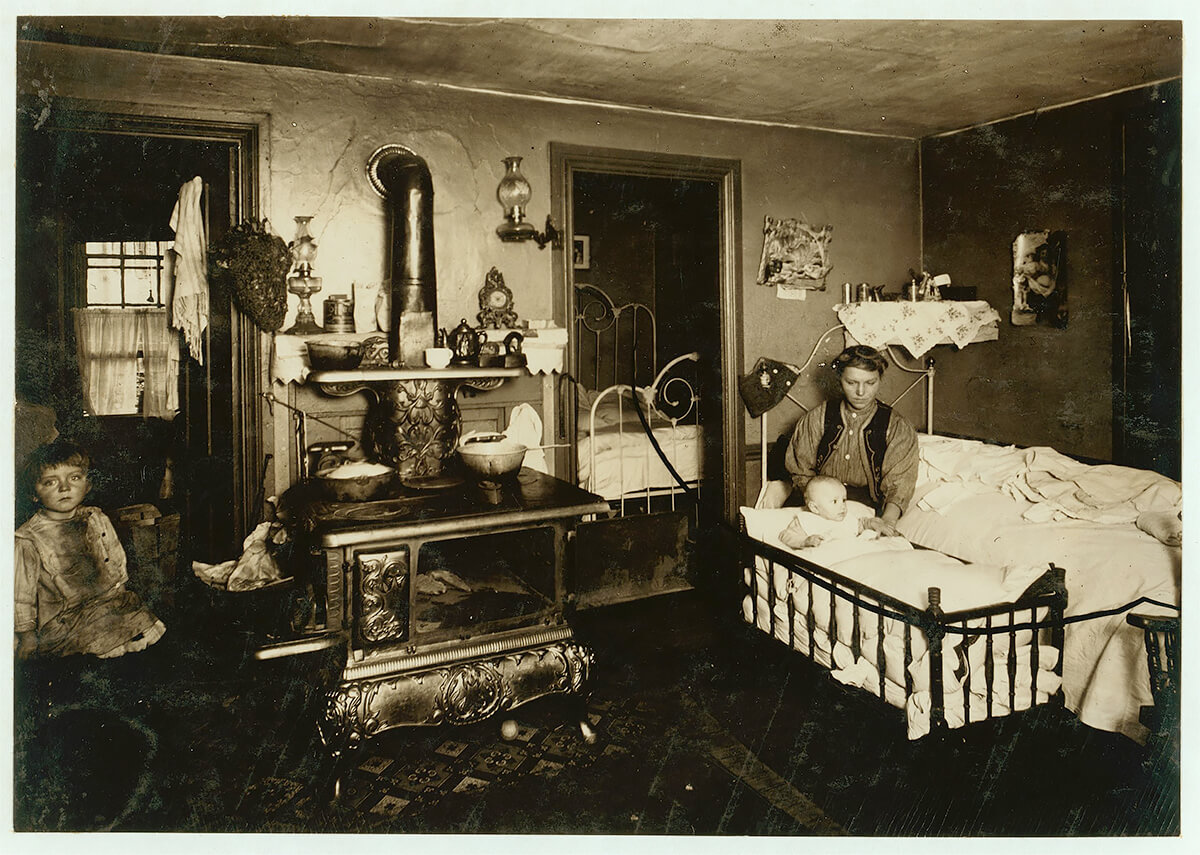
[438, 357]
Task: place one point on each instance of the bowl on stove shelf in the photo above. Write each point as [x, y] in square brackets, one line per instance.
[491, 456]
[357, 481]
[334, 355]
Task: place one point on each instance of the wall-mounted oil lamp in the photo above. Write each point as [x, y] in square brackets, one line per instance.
[514, 192]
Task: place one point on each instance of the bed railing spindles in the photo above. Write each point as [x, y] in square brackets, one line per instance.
[881, 656]
[810, 621]
[935, 631]
[855, 645]
[1012, 662]
[989, 667]
[908, 660]
[832, 628]
[966, 677]
[1033, 658]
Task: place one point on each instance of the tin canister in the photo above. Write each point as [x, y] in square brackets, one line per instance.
[864, 292]
[847, 293]
[339, 314]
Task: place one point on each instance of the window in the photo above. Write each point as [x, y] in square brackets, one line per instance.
[125, 274]
[128, 356]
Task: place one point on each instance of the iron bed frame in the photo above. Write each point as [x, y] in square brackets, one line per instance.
[673, 401]
[1047, 594]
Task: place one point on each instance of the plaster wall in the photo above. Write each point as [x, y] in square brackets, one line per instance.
[1036, 385]
[320, 128]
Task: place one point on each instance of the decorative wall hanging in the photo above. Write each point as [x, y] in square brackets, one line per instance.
[253, 263]
[1039, 283]
[795, 257]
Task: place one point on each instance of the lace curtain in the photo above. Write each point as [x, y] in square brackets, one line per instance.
[108, 342]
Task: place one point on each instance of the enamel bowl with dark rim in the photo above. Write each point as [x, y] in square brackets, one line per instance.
[491, 456]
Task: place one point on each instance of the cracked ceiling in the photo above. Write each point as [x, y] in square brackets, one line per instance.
[908, 79]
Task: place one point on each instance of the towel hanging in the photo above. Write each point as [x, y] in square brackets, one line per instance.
[189, 300]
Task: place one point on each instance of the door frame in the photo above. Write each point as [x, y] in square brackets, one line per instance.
[243, 133]
[565, 160]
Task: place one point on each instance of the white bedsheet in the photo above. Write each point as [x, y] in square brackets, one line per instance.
[626, 462]
[615, 456]
[962, 509]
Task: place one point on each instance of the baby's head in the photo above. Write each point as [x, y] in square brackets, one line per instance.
[57, 475]
[826, 497]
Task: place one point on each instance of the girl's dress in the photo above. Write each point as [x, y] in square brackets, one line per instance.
[70, 588]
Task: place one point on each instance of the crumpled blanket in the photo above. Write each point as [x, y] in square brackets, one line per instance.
[255, 568]
[1058, 486]
[1061, 487]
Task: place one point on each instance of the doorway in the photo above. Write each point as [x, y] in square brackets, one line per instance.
[93, 181]
[680, 216]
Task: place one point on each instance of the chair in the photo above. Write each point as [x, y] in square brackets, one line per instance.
[1161, 635]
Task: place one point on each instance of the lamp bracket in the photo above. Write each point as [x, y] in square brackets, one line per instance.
[550, 236]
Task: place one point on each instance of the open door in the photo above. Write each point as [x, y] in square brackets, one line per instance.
[658, 233]
[96, 190]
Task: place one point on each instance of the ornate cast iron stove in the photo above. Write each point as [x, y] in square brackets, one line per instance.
[451, 603]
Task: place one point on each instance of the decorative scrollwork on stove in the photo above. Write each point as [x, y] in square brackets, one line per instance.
[383, 596]
[343, 390]
[415, 426]
[346, 722]
[375, 351]
[577, 665]
[472, 692]
[484, 384]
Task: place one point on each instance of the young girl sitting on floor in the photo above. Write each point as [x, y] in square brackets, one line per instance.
[70, 568]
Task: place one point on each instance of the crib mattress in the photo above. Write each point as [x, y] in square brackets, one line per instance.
[893, 567]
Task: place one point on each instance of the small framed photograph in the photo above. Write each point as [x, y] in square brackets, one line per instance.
[581, 251]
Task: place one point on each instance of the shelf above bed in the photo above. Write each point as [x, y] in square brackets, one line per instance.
[919, 326]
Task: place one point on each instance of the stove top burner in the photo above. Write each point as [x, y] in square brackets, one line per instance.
[391, 509]
[432, 482]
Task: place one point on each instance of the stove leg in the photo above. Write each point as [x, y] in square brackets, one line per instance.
[578, 711]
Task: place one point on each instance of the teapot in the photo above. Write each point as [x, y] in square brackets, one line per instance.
[464, 340]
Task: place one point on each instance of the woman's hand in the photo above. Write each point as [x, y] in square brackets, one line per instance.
[881, 525]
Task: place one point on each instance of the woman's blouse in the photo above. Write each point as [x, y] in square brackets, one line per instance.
[848, 462]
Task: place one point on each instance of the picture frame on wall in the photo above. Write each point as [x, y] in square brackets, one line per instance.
[581, 252]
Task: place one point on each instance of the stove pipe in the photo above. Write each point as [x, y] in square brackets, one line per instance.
[403, 179]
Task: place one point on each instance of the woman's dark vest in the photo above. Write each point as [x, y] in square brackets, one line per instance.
[874, 437]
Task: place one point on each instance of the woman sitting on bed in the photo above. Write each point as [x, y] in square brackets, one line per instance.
[859, 441]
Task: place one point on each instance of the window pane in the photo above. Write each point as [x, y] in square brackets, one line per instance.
[104, 262]
[103, 286]
[141, 262]
[139, 247]
[102, 248]
[141, 286]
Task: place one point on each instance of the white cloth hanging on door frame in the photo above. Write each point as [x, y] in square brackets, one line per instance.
[189, 298]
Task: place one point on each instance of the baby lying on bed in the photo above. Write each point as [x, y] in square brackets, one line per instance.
[827, 515]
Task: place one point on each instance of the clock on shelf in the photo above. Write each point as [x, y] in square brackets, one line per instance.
[496, 302]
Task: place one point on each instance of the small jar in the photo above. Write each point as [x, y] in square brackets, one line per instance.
[339, 314]
[847, 293]
[864, 292]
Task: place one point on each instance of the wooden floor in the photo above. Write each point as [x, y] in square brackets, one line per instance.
[706, 728]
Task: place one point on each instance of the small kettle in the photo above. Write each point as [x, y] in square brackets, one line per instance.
[464, 340]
